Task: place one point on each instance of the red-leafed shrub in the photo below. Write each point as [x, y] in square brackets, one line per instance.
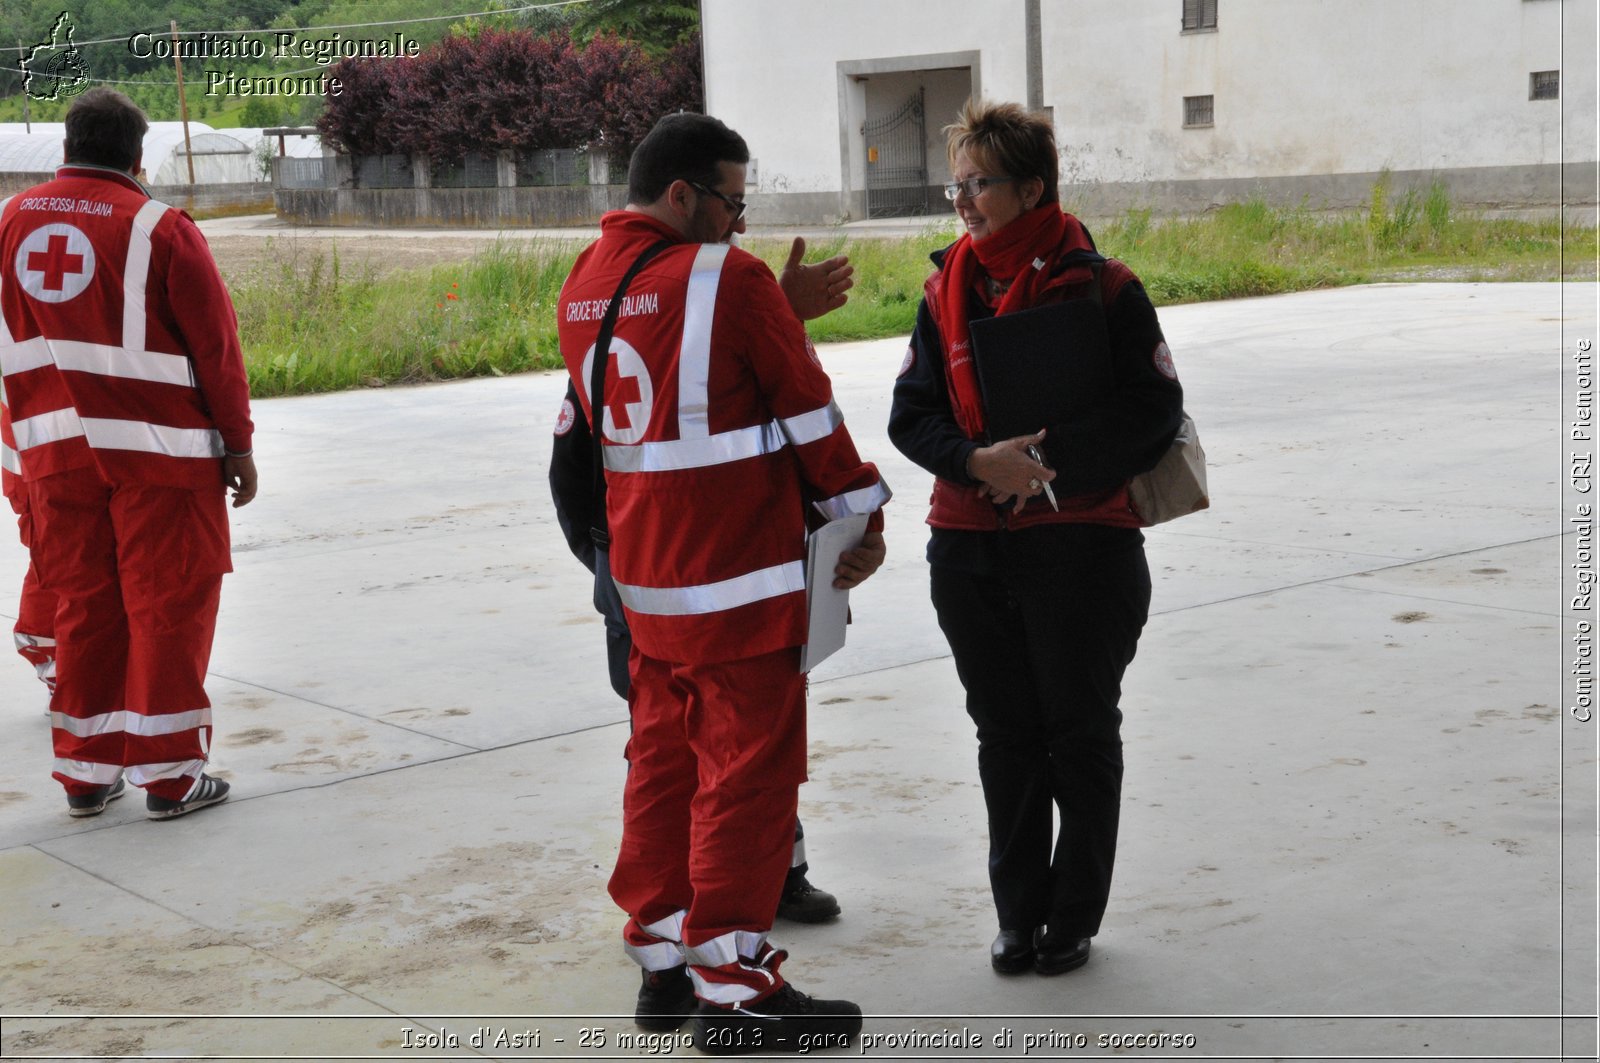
[509, 90]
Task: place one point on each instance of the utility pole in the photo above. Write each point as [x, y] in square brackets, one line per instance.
[183, 102]
[27, 124]
[1035, 58]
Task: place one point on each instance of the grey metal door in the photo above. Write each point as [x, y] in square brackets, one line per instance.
[897, 162]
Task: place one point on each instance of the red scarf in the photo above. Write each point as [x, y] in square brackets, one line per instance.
[1025, 253]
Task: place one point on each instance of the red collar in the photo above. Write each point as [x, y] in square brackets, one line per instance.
[633, 225]
[101, 173]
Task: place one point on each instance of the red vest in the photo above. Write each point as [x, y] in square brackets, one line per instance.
[719, 428]
[118, 344]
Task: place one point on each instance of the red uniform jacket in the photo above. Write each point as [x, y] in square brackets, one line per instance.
[118, 343]
[720, 427]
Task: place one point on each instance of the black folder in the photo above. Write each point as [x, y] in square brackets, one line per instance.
[1042, 366]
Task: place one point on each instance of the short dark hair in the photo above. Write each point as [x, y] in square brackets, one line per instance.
[684, 147]
[1007, 140]
[105, 128]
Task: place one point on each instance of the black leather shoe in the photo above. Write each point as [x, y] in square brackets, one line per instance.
[666, 999]
[1059, 958]
[1012, 951]
[802, 902]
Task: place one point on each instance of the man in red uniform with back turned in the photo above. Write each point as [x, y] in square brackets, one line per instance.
[129, 416]
[719, 429]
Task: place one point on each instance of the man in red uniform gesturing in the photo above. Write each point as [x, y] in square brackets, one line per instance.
[128, 415]
[719, 428]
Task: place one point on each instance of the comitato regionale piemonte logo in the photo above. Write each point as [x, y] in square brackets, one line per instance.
[53, 69]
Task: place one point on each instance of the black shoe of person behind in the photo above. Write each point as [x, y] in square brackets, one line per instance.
[785, 1021]
[1060, 955]
[666, 999]
[93, 803]
[802, 902]
[207, 791]
[1012, 951]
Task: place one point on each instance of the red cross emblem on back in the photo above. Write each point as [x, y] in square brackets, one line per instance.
[55, 262]
[624, 395]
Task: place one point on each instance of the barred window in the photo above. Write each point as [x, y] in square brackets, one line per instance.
[1199, 14]
[1197, 111]
[1544, 85]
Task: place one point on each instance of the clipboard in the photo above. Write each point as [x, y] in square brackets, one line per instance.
[1042, 366]
[827, 609]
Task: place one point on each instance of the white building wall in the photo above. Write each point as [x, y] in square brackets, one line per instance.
[1312, 97]
[1304, 87]
[773, 72]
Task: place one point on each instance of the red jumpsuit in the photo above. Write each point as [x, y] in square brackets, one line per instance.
[124, 386]
[719, 428]
[34, 632]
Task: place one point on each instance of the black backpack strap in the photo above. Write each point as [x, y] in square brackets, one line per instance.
[598, 531]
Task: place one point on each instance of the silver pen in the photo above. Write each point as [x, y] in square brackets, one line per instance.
[1033, 452]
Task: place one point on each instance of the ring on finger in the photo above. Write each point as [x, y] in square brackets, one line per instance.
[1034, 484]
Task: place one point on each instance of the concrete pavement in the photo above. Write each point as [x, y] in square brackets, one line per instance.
[1357, 821]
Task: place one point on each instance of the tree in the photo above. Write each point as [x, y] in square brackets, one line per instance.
[366, 117]
[628, 92]
[510, 89]
[655, 25]
[260, 112]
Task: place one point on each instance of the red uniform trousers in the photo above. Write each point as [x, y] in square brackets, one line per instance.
[137, 570]
[716, 757]
[35, 631]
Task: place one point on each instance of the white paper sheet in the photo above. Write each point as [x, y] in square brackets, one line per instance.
[827, 608]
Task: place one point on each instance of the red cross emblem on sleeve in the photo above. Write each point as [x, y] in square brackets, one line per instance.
[55, 263]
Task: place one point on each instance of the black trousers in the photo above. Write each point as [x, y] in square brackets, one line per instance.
[1041, 642]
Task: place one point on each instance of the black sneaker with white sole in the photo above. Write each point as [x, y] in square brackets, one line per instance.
[207, 791]
[94, 802]
[785, 1021]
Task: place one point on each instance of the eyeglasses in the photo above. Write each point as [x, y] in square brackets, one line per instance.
[973, 186]
[733, 204]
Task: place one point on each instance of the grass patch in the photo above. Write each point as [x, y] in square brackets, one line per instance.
[308, 324]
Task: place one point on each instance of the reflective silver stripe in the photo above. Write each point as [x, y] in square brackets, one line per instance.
[673, 454]
[49, 427]
[715, 597]
[89, 771]
[736, 946]
[145, 774]
[658, 957]
[137, 273]
[726, 993]
[124, 722]
[694, 355]
[105, 434]
[670, 928]
[698, 453]
[10, 460]
[809, 427]
[851, 503]
[32, 642]
[97, 358]
[5, 330]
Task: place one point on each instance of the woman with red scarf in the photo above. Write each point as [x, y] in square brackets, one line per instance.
[1036, 560]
